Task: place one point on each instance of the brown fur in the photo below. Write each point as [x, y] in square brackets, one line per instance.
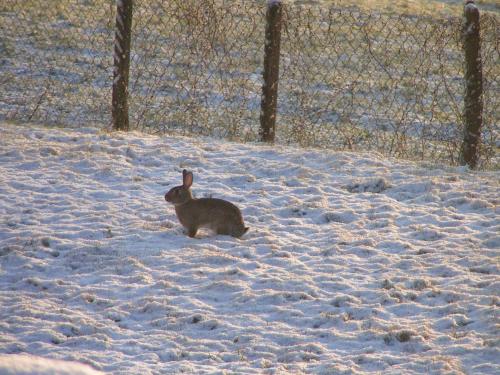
[221, 216]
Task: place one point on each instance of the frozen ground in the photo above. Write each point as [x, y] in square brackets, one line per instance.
[353, 264]
[20, 364]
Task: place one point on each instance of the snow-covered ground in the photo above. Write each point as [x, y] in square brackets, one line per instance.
[354, 263]
[19, 364]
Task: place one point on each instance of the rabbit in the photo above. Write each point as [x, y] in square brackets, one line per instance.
[221, 216]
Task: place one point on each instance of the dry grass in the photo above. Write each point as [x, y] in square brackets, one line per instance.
[388, 78]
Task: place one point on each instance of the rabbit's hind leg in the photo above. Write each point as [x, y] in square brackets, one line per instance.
[235, 230]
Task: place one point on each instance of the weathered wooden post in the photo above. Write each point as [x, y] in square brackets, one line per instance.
[121, 64]
[271, 70]
[473, 98]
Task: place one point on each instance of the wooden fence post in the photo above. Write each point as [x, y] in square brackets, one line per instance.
[271, 71]
[473, 98]
[121, 64]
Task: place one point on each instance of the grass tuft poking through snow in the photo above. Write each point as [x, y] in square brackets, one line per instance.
[354, 263]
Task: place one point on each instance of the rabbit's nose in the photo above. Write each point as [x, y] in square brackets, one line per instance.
[166, 197]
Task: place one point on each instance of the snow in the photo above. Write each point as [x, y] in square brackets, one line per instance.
[354, 263]
[16, 364]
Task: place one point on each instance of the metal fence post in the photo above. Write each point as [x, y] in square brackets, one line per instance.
[271, 71]
[121, 64]
[473, 98]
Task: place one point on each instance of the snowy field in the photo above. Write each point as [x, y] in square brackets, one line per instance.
[354, 263]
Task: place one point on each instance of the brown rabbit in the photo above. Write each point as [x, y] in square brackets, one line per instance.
[221, 216]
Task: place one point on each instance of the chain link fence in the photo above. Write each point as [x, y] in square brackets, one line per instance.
[349, 79]
[56, 61]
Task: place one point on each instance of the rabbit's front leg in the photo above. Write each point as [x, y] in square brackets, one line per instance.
[192, 231]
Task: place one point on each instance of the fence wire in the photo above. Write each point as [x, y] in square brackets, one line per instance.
[349, 78]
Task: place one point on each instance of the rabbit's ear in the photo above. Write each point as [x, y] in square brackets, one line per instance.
[187, 179]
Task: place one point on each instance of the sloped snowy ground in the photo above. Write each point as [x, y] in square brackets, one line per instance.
[353, 264]
[21, 364]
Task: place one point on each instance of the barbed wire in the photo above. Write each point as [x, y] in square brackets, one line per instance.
[349, 78]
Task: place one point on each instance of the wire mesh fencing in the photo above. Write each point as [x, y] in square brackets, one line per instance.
[349, 78]
[56, 61]
[388, 82]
